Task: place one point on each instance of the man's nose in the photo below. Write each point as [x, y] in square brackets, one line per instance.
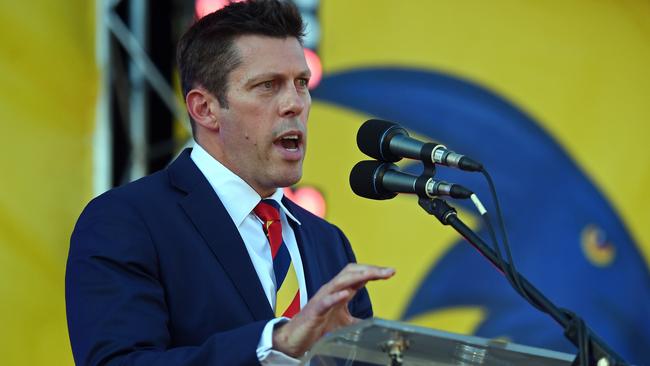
[293, 101]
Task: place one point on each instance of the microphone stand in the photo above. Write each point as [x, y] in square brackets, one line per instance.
[591, 349]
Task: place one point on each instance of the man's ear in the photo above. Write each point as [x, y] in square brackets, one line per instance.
[204, 108]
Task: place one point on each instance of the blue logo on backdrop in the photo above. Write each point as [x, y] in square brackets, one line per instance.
[566, 238]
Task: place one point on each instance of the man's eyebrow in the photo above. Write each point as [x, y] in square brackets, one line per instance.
[261, 77]
[305, 74]
[273, 75]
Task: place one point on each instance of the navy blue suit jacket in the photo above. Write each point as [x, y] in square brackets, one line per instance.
[158, 274]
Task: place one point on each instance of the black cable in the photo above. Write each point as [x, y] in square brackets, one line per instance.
[590, 347]
[509, 269]
[577, 325]
[497, 250]
[582, 332]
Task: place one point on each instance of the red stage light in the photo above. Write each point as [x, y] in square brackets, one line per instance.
[205, 7]
[309, 198]
[313, 62]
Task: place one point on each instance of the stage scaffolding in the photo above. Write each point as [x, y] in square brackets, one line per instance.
[137, 104]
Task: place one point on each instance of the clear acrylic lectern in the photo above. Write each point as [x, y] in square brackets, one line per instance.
[383, 342]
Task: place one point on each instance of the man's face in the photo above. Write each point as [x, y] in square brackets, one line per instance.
[262, 134]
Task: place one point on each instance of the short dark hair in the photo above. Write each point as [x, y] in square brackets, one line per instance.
[206, 54]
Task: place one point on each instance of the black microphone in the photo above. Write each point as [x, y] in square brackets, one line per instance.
[388, 141]
[381, 181]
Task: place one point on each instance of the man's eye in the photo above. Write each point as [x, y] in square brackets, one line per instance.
[303, 82]
[267, 84]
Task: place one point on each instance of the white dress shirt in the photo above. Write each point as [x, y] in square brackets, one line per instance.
[239, 200]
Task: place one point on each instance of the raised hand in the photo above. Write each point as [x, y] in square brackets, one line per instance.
[327, 310]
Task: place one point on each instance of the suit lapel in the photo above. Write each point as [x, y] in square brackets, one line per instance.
[210, 218]
[308, 250]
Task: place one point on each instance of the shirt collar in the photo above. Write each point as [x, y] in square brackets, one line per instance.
[277, 196]
[238, 198]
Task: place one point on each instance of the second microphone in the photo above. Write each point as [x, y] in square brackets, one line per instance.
[380, 181]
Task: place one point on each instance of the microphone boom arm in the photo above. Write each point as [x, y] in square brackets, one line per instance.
[596, 350]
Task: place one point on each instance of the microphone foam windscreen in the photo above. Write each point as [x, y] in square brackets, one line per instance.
[365, 180]
[372, 136]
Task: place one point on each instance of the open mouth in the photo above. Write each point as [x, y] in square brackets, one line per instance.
[290, 141]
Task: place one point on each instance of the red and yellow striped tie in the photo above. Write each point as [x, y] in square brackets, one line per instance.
[287, 301]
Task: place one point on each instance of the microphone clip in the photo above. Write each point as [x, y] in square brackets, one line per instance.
[429, 170]
[438, 208]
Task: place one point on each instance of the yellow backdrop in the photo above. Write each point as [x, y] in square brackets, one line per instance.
[579, 67]
[48, 83]
[593, 92]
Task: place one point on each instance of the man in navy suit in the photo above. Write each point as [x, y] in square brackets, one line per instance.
[175, 268]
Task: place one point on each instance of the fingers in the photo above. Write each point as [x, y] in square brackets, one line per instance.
[327, 310]
[318, 317]
[355, 320]
[354, 276]
[342, 288]
[329, 301]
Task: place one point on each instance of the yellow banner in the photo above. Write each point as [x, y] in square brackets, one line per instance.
[579, 69]
[48, 83]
